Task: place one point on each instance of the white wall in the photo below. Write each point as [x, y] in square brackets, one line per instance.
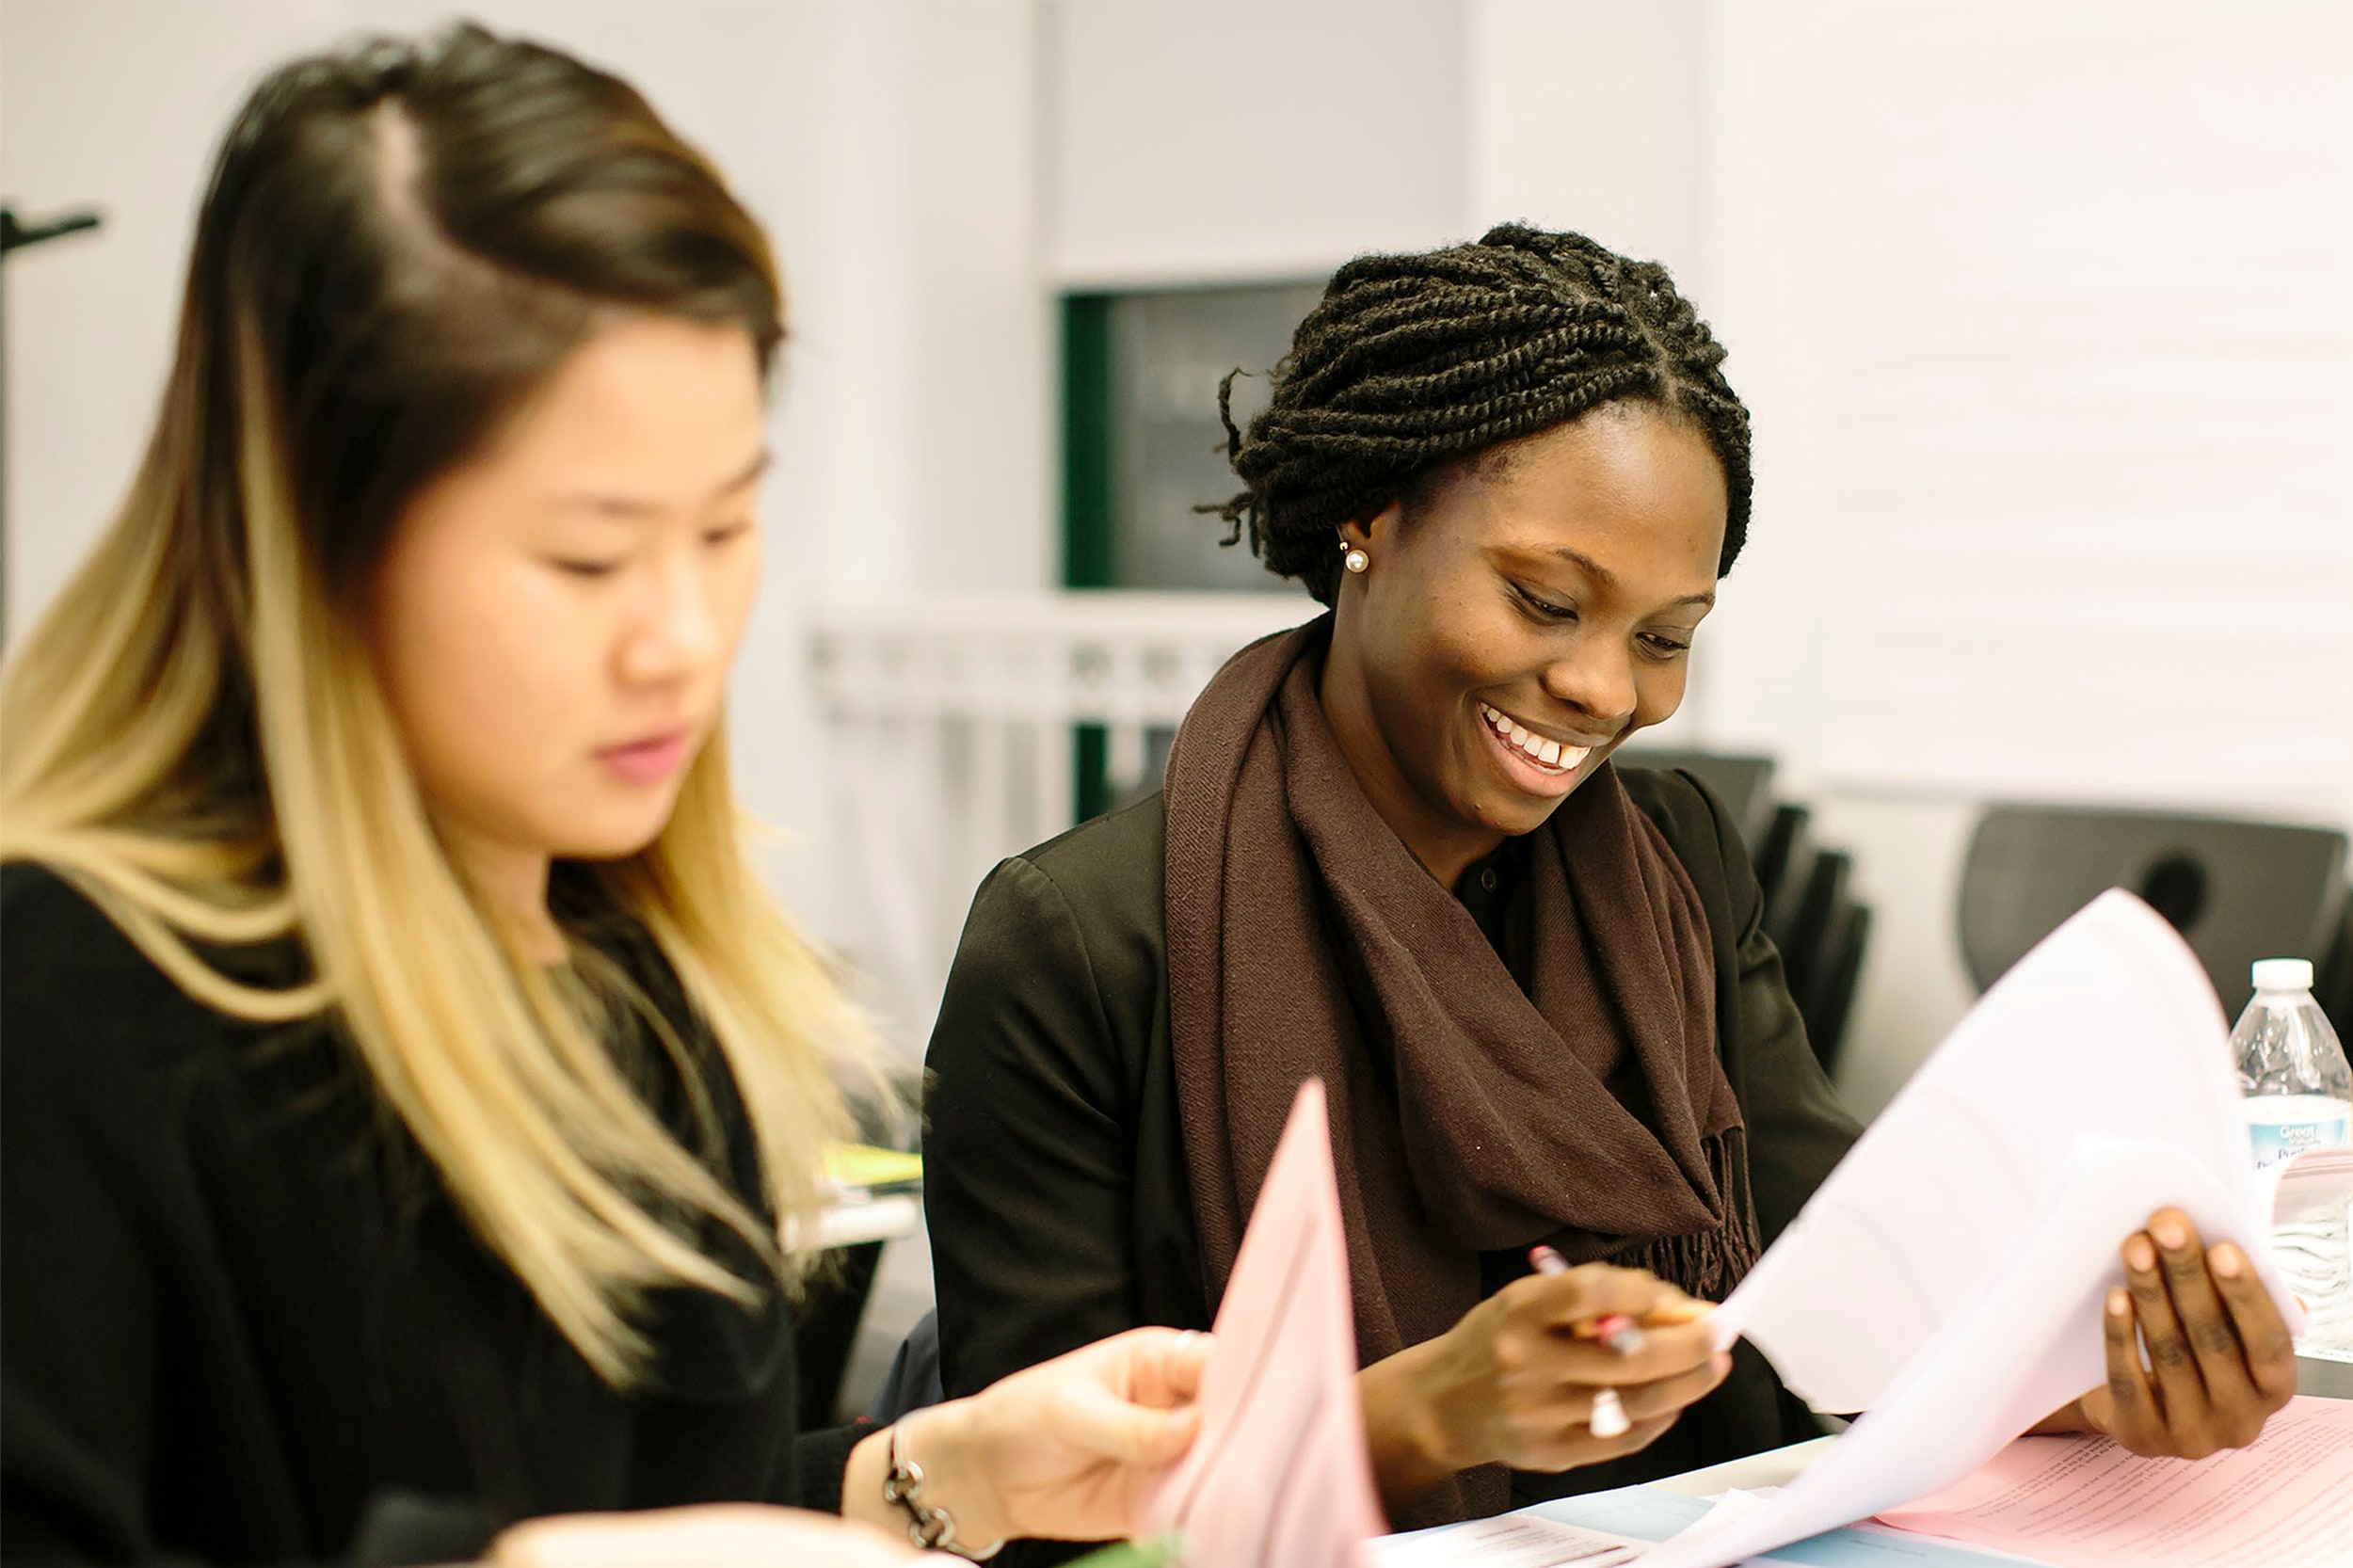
[2041, 313]
[114, 106]
[1193, 141]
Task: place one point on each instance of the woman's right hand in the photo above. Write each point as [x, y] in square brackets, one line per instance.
[1513, 1384]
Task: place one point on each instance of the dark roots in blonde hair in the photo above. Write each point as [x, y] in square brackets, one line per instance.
[1412, 363]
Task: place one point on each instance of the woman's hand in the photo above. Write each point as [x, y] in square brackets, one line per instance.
[720, 1535]
[1514, 1384]
[1067, 1449]
[2219, 1359]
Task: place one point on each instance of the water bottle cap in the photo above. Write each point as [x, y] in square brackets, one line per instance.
[2283, 974]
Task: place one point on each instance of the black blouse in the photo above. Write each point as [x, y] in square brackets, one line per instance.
[243, 1323]
[1054, 1171]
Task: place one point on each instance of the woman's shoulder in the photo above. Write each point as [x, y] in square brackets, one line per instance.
[78, 995]
[1069, 936]
[51, 931]
[1690, 817]
[1110, 871]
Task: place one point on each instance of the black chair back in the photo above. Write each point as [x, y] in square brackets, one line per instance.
[1743, 783]
[2236, 890]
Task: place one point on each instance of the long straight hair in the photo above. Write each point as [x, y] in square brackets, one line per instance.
[399, 244]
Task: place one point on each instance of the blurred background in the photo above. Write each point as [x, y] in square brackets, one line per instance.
[2045, 310]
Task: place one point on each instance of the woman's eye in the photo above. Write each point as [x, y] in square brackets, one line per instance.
[578, 566]
[1666, 648]
[726, 534]
[1545, 607]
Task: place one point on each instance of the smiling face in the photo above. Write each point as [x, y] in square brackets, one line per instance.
[553, 619]
[1532, 614]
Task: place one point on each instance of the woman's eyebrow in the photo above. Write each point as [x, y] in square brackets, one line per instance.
[1609, 579]
[635, 506]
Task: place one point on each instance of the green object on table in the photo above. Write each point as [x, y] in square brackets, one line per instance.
[874, 1170]
[1159, 1551]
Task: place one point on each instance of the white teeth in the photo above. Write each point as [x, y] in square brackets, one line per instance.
[1551, 754]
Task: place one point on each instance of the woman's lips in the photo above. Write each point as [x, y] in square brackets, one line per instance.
[649, 760]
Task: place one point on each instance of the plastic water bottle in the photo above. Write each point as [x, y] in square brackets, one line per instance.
[2298, 1096]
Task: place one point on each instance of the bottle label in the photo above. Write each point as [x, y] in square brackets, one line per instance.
[2284, 1138]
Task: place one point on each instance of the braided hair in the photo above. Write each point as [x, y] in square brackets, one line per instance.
[1411, 364]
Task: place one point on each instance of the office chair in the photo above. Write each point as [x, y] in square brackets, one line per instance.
[1784, 863]
[2236, 890]
[1825, 993]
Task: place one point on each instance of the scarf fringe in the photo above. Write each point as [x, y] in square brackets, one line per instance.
[1709, 1263]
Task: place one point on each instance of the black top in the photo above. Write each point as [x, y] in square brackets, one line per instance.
[1054, 1168]
[243, 1323]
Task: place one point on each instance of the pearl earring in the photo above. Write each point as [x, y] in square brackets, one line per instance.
[1353, 557]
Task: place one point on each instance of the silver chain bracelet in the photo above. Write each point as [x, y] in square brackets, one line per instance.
[929, 1525]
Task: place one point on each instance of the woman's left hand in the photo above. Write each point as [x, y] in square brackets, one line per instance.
[2220, 1358]
[1069, 1448]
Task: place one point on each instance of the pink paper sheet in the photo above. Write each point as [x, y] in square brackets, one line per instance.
[1278, 1475]
[2083, 1502]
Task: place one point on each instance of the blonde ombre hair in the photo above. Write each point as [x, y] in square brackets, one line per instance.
[398, 246]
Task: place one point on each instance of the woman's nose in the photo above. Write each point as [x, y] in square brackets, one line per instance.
[1598, 678]
[678, 632]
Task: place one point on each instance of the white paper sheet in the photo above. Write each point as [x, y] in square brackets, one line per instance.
[2108, 1028]
[1949, 1275]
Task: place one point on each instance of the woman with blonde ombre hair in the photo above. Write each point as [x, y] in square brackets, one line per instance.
[413, 1102]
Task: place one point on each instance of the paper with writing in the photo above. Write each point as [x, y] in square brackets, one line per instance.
[1507, 1540]
[2080, 1502]
[1278, 1476]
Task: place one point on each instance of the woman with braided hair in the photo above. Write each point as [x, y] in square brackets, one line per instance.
[1392, 852]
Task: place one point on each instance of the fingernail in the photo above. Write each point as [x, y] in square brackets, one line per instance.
[2227, 1260]
[2169, 1234]
[2139, 1255]
[2119, 1304]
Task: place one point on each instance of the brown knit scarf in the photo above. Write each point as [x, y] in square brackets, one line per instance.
[1468, 1116]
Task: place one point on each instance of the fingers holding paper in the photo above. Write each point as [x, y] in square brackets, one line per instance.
[2198, 1355]
[1071, 1446]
